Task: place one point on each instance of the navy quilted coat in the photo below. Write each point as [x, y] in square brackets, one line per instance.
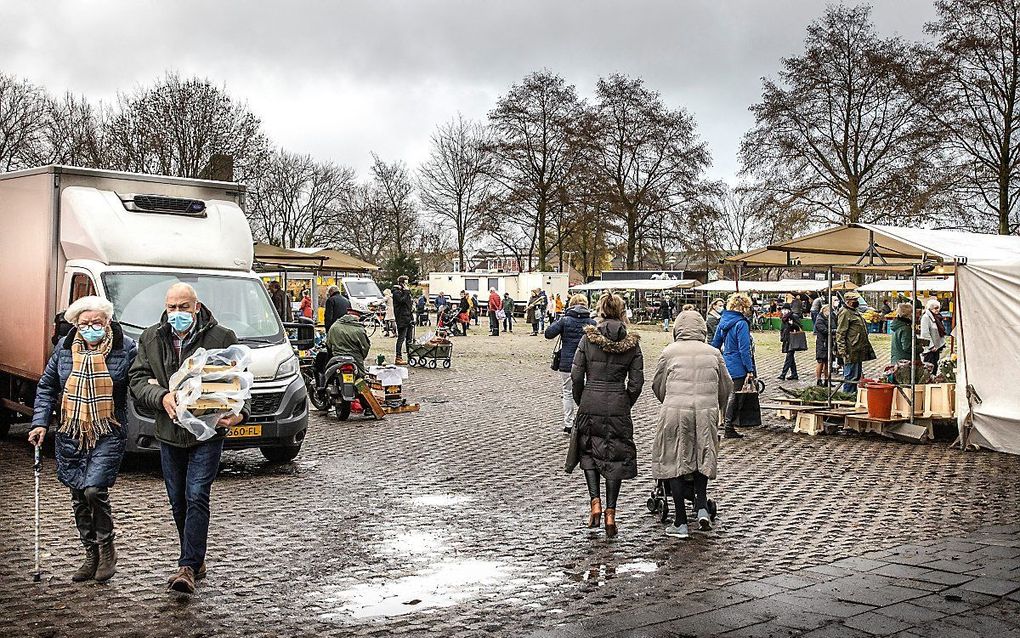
[570, 329]
[98, 467]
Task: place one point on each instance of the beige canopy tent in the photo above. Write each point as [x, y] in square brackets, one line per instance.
[783, 285]
[269, 257]
[987, 269]
[637, 284]
[924, 284]
[338, 261]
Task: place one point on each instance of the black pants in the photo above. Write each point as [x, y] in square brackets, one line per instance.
[93, 515]
[405, 335]
[731, 405]
[534, 327]
[684, 484]
[592, 478]
[790, 365]
[932, 358]
[493, 323]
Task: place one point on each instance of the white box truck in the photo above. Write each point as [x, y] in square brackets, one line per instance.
[68, 232]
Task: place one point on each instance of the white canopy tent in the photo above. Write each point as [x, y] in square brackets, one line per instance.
[987, 269]
[637, 284]
[924, 284]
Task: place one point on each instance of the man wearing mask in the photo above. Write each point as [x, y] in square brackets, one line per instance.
[852, 342]
[189, 465]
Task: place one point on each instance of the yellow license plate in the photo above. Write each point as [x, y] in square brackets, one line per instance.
[244, 431]
[348, 378]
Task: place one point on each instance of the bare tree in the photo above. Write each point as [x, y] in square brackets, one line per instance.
[298, 202]
[363, 229]
[976, 71]
[23, 111]
[73, 133]
[453, 183]
[840, 132]
[532, 154]
[395, 195]
[176, 126]
[648, 157]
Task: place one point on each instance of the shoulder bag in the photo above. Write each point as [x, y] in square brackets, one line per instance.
[557, 354]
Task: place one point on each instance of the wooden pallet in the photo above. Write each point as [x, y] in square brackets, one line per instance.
[403, 409]
[787, 411]
[896, 427]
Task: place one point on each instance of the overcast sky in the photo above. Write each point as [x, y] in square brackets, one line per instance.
[341, 79]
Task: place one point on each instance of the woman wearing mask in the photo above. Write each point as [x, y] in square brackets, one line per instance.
[734, 339]
[570, 329]
[823, 327]
[85, 381]
[933, 331]
[606, 377]
[693, 385]
[713, 317]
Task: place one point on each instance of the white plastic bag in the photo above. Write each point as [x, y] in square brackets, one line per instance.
[231, 365]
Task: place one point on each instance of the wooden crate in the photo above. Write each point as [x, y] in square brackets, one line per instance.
[810, 423]
[940, 401]
[865, 424]
[900, 405]
[862, 398]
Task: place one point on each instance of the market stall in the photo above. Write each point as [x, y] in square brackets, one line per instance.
[987, 288]
[640, 288]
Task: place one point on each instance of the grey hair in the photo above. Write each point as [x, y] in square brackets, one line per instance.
[933, 304]
[332, 289]
[91, 303]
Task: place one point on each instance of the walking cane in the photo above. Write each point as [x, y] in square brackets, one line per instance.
[38, 468]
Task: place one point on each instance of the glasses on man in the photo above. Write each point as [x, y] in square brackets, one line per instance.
[95, 325]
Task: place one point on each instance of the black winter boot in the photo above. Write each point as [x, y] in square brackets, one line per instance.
[87, 571]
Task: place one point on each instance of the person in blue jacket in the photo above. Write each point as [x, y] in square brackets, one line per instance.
[733, 337]
[86, 378]
[570, 329]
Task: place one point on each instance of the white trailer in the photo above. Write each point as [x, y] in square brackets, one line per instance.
[519, 285]
[70, 232]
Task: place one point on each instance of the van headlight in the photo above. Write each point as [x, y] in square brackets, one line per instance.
[288, 368]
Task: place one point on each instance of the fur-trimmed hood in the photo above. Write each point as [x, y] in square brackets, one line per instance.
[611, 336]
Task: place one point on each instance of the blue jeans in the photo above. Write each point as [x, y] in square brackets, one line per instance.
[189, 474]
[852, 373]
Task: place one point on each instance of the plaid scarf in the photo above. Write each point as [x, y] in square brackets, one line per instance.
[87, 406]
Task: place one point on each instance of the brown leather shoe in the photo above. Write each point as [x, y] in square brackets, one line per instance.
[107, 565]
[87, 571]
[400, 362]
[610, 522]
[199, 575]
[185, 581]
[595, 518]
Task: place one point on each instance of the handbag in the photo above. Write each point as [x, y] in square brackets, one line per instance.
[501, 314]
[796, 341]
[748, 408]
[557, 355]
[573, 454]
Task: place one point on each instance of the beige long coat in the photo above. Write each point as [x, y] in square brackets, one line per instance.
[693, 385]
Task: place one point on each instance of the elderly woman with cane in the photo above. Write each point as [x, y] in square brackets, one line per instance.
[86, 378]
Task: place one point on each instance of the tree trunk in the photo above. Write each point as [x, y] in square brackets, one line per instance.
[855, 209]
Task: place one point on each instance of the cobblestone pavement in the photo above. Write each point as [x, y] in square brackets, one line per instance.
[459, 520]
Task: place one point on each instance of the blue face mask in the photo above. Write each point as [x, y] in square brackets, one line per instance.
[180, 320]
[92, 335]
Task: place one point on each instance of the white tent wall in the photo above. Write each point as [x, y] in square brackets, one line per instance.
[988, 333]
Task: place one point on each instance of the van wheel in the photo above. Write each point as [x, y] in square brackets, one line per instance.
[343, 410]
[280, 454]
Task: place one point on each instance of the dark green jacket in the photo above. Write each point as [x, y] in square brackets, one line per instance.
[157, 360]
[347, 337]
[899, 331]
[852, 342]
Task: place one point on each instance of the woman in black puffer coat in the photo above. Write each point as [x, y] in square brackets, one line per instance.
[88, 390]
[824, 325]
[570, 329]
[607, 376]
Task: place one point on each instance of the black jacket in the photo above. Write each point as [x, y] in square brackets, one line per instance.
[403, 306]
[157, 360]
[336, 306]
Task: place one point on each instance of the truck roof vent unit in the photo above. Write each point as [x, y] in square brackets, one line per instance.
[164, 205]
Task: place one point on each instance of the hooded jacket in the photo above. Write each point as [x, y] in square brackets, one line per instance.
[693, 385]
[156, 362]
[606, 376]
[570, 329]
[733, 337]
[348, 337]
[403, 306]
[900, 330]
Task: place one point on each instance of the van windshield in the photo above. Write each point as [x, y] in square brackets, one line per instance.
[239, 303]
[362, 289]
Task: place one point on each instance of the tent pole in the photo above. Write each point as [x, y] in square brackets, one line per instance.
[736, 284]
[913, 343]
[828, 341]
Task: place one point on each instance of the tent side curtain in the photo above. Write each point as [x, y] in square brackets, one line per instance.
[638, 284]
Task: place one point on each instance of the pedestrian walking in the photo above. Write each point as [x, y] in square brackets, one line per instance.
[543, 307]
[464, 311]
[569, 328]
[665, 312]
[403, 317]
[474, 307]
[337, 306]
[307, 308]
[933, 332]
[494, 310]
[189, 465]
[693, 385]
[85, 382]
[389, 315]
[790, 325]
[421, 309]
[532, 311]
[715, 312]
[852, 342]
[733, 337]
[824, 326]
[607, 376]
[508, 313]
[901, 331]
[280, 301]
[558, 307]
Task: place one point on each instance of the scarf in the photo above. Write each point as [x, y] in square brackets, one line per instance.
[937, 318]
[87, 406]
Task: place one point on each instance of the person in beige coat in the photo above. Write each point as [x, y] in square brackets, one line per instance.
[693, 385]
